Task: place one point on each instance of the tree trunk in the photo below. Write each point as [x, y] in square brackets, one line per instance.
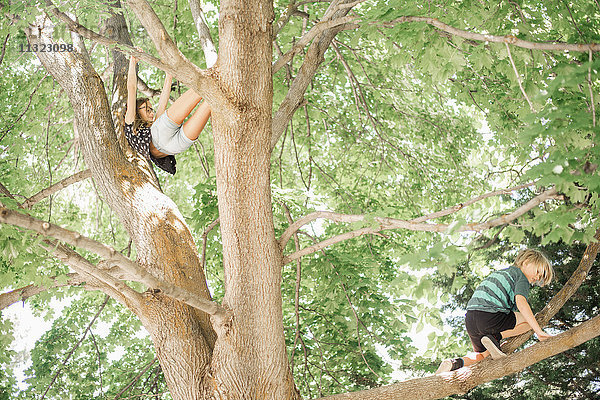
[250, 360]
[183, 336]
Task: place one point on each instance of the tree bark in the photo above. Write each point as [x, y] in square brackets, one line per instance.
[183, 337]
[250, 360]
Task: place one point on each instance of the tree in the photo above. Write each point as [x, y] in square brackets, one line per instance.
[410, 130]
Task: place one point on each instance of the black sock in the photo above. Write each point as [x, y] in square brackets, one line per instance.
[457, 363]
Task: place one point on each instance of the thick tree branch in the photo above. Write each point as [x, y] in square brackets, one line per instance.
[112, 256]
[145, 89]
[94, 275]
[79, 176]
[22, 294]
[206, 41]
[343, 23]
[73, 279]
[496, 39]
[96, 37]
[177, 65]
[464, 379]
[347, 218]
[391, 223]
[284, 18]
[313, 59]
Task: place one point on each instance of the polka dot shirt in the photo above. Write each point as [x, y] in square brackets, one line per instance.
[140, 142]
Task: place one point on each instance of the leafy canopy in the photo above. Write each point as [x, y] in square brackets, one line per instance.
[401, 120]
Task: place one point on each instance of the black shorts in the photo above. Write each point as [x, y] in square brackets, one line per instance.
[481, 323]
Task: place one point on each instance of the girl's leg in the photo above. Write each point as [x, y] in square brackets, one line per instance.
[194, 125]
[183, 106]
[520, 327]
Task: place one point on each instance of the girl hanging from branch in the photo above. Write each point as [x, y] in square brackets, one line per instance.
[162, 135]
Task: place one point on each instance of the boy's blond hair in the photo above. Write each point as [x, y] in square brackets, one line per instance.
[539, 259]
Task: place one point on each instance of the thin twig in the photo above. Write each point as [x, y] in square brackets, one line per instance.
[205, 240]
[460, 206]
[358, 320]
[343, 22]
[75, 347]
[591, 91]
[47, 148]
[288, 215]
[99, 361]
[519, 80]
[203, 160]
[136, 378]
[79, 176]
[4, 48]
[296, 154]
[31, 97]
[573, 19]
[311, 217]
[308, 135]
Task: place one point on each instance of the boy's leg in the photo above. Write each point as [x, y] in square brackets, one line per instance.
[183, 106]
[492, 344]
[474, 357]
[452, 364]
[194, 125]
[520, 327]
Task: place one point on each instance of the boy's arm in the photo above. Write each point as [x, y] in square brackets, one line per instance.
[164, 95]
[526, 312]
[131, 91]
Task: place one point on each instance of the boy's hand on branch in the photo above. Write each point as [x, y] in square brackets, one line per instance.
[543, 335]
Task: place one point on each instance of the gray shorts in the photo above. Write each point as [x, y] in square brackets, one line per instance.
[168, 137]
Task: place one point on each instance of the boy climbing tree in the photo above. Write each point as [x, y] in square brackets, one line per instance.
[492, 311]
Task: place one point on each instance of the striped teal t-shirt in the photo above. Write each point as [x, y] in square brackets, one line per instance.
[497, 292]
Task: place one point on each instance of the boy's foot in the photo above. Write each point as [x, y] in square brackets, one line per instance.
[450, 365]
[493, 346]
[445, 366]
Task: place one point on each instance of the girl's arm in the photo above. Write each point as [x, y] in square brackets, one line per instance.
[131, 91]
[526, 312]
[164, 95]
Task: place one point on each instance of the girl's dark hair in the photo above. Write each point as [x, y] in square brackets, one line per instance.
[138, 121]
